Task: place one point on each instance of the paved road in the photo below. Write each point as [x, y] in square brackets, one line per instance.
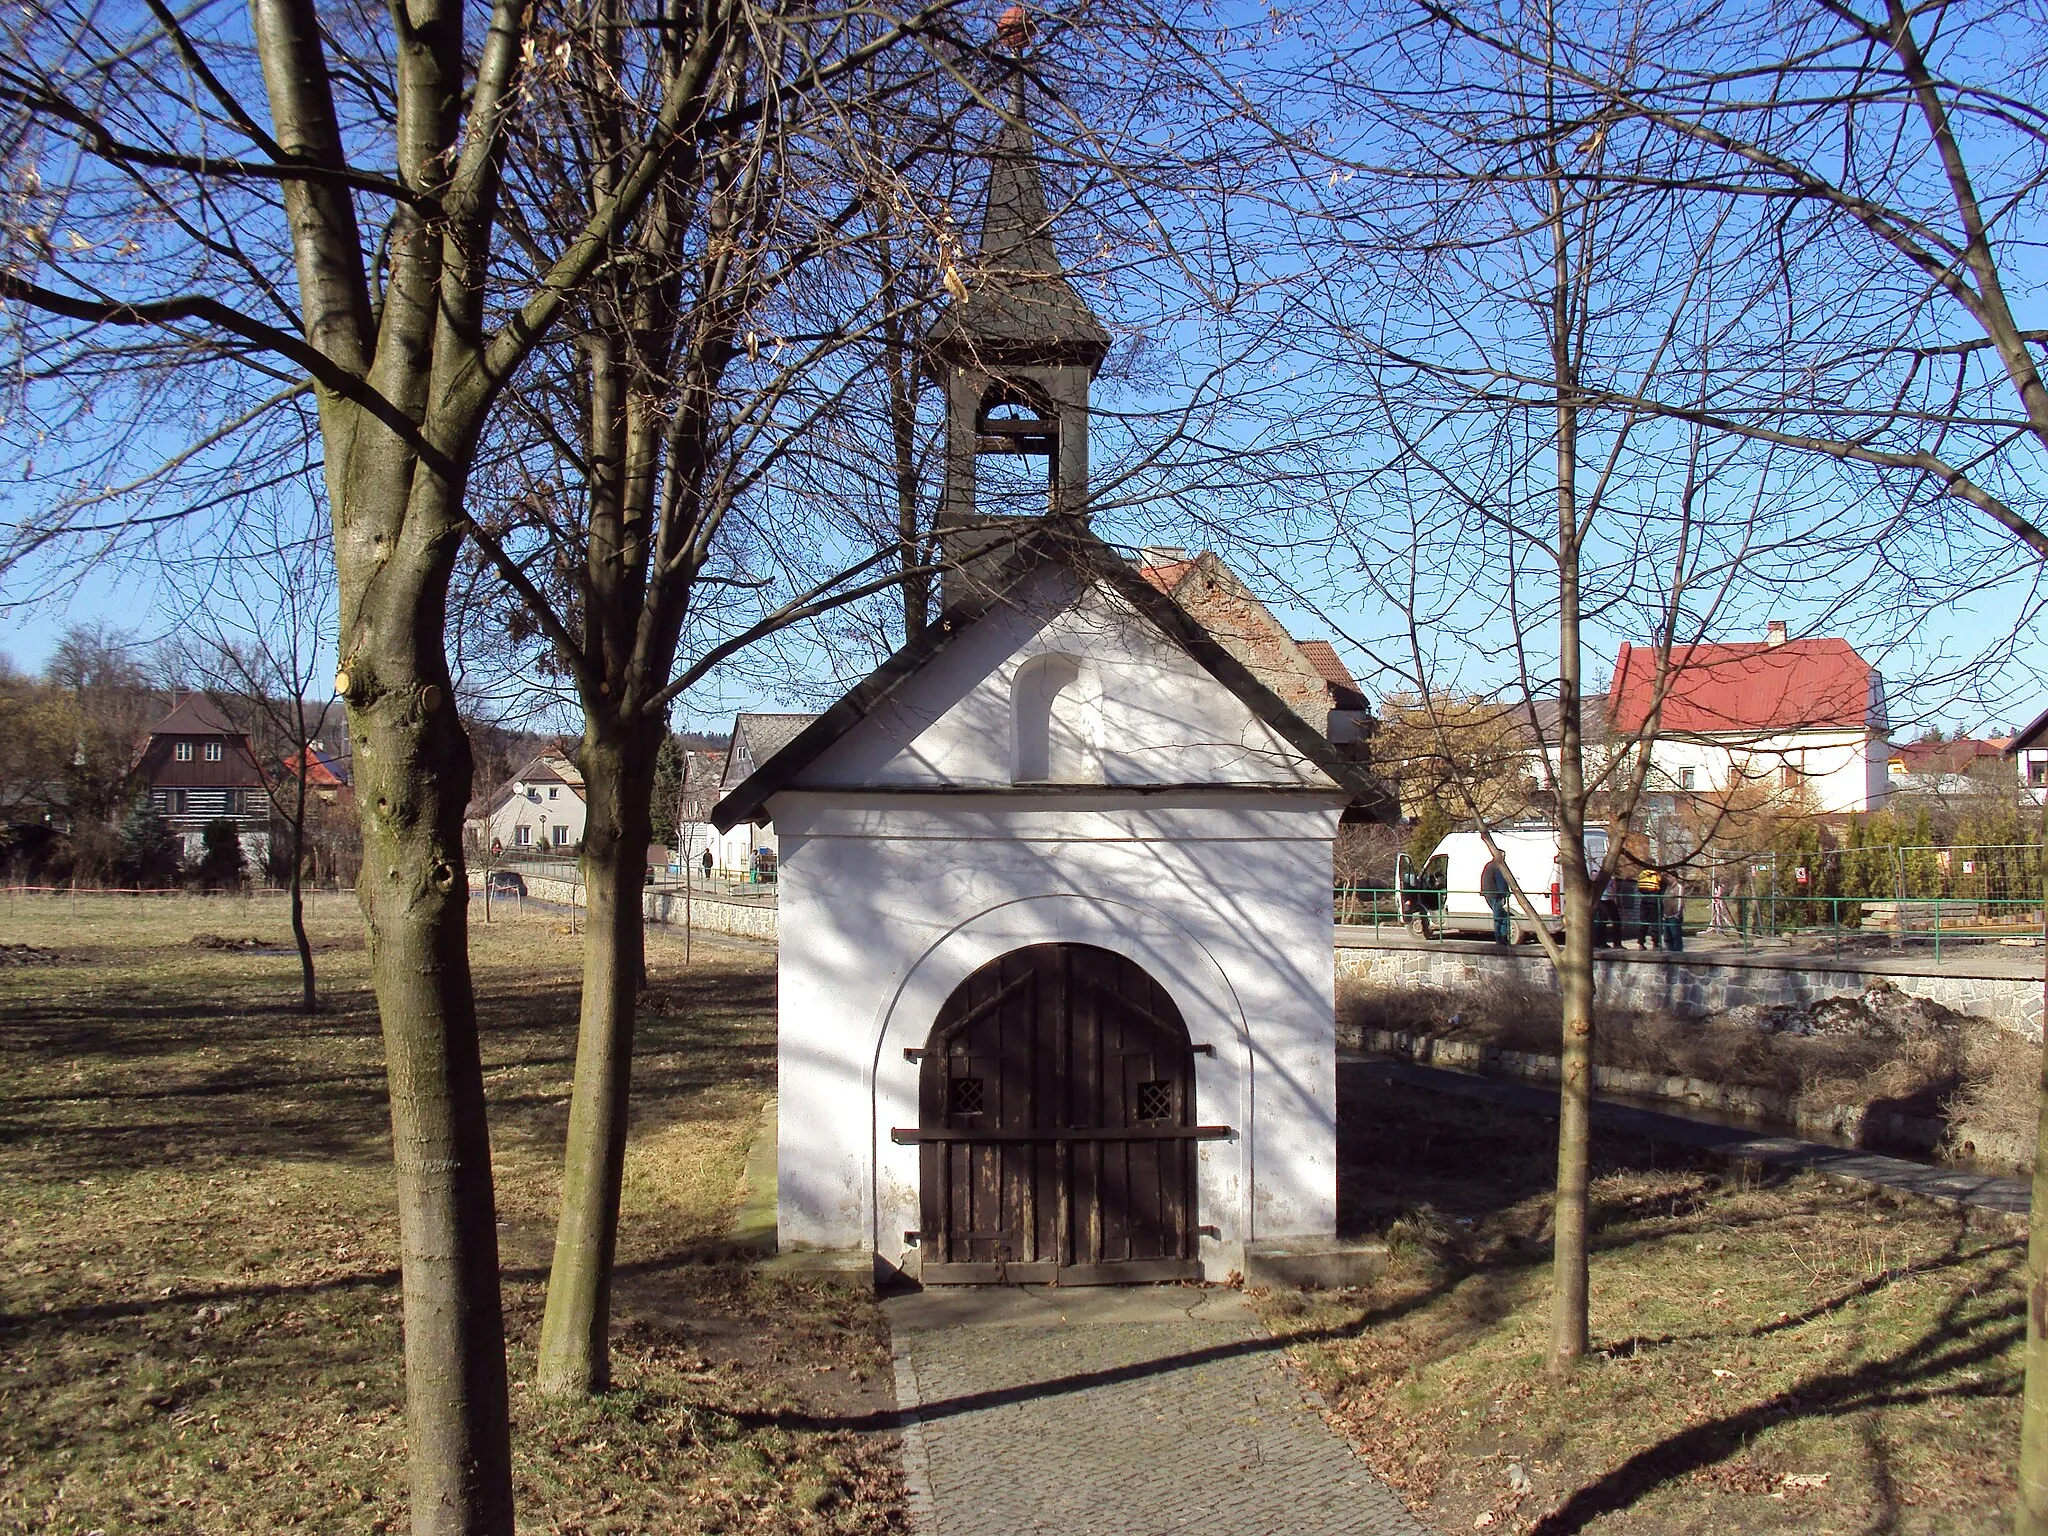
[1951, 1186]
[1130, 1411]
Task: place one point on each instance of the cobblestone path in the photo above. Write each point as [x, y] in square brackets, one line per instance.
[1116, 1412]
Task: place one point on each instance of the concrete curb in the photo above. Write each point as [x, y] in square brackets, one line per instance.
[754, 1224]
[918, 1502]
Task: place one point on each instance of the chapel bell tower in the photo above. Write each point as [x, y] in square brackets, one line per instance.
[1015, 356]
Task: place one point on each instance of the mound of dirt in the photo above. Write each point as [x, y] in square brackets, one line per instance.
[27, 954]
[223, 941]
[1879, 1012]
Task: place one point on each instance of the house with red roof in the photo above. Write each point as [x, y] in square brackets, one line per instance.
[1802, 720]
[1959, 768]
[327, 773]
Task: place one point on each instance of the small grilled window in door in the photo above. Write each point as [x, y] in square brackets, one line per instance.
[963, 1096]
[1155, 1100]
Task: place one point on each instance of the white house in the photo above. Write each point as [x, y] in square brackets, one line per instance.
[741, 850]
[1799, 720]
[540, 806]
[2028, 749]
[1056, 985]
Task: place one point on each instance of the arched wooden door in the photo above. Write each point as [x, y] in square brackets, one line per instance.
[1056, 1103]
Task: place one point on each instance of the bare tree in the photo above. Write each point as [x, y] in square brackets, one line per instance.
[347, 253]
[257, 638]
[692, 368]
[1489, 268]
[1897, 155]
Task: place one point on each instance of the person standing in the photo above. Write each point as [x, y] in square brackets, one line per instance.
[1493, 885]
[1650, 909]
[707, 861]
[1606, 917]
[1674, 915]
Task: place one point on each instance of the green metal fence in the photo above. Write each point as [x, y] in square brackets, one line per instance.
[1748, 916]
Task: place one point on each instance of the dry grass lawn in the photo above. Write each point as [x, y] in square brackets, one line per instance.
[1771, 1355]
[199, 1321]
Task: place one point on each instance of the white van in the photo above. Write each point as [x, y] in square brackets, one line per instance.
[1447, 895]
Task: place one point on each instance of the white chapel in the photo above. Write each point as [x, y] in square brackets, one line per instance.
[1056, 974]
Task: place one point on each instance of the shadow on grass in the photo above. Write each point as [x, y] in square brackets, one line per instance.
[1957, 1342]
[704, 1253]
[135, 1077]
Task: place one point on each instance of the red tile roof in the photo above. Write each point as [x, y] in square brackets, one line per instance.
[1324, 658]
[1819, 684]
[1947, 756]
[324, 770]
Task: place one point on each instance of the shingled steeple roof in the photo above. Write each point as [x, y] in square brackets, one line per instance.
[1020, 306]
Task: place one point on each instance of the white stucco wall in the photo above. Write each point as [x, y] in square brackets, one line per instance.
[1153, 714]
[889, 903]
[909, 859]
[1844, 770]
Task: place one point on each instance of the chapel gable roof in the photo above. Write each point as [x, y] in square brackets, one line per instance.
[1045, 541]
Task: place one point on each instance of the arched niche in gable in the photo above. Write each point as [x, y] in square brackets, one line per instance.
[1053, 716]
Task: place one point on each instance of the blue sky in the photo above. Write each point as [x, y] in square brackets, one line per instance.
[1972, 660]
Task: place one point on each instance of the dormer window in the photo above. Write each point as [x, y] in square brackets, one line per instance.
[213, 752]
[1051, 724]
[182, 751]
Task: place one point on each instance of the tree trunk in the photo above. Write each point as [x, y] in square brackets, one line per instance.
[2030, 1508]
[310, 1002]
[575, 1354]
[412, 776]
[1568, 1329]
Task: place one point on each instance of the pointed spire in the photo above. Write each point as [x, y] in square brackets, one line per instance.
[1016, 230]
[1020, 306]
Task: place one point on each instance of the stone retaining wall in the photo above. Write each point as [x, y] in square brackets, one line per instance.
[1855, 1125]
[708, 913]
[740, 918]
[1695, 988]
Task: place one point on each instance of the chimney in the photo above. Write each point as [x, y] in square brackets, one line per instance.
[1160, 554]
[1774, 632]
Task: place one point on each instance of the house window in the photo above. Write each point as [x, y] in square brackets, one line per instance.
[182, 751]
[213, 753]
[561, 835]
[2037, 772]
[1685, 778]
[1790, 777]
[231, 802]
[553, 791]
[532, 795]
[522, 835]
